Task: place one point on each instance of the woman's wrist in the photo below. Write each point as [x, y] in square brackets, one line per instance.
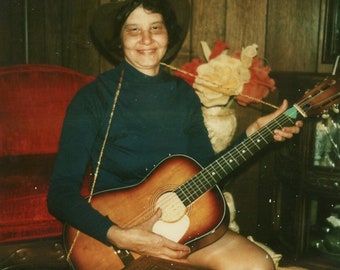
[113, 234]
[252, 128]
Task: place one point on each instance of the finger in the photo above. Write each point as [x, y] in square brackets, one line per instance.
[290, 130]
[176, 246]
[148, 224]
[157, 215]
[265, 119]
[285, 133]
[282, 108]
[177, 251]
[165, 248]
[173, 254]
[279, 138]
[299, 124]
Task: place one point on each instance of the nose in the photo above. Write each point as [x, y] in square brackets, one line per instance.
[146, 37]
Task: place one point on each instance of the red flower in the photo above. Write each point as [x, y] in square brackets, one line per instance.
[258, 87]
[220, 46]
[260, 83]
[191, 68]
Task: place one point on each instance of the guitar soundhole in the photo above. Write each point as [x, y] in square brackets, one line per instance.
[172, 207]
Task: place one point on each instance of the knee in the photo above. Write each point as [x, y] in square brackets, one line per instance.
[264, 262]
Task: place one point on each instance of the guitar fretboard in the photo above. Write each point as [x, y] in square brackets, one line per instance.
[210, 176]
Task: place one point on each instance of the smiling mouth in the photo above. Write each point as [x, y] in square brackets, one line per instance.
[147, 51]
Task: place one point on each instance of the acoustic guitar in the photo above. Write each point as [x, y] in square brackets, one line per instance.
[194, 211]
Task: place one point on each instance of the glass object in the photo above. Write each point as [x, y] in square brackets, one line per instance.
[327, 139]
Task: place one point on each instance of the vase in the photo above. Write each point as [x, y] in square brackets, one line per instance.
[221, 124]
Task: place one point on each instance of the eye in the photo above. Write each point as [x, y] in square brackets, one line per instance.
[132, 30]
[157, 28]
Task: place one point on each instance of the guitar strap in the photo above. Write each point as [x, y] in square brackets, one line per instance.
[124, 255]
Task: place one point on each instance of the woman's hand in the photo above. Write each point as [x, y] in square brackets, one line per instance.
[279, 134]
[142, 240]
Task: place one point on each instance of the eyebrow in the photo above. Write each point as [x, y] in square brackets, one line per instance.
[135, 24]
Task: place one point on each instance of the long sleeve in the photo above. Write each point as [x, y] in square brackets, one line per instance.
[64, 199]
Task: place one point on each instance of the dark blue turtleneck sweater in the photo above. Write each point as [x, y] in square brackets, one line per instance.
[154, 117]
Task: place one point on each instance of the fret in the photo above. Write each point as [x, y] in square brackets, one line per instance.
[211, 173]
[180, 192]
[278, 124]
[223, 169]
[199, 187]
[247, 149]
[214, 172]
[207, 175]
[241, 154]
[255, 142]
[263, 137]
[226, 162]
[232, 160]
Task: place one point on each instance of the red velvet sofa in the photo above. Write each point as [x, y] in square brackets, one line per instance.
[33, 100]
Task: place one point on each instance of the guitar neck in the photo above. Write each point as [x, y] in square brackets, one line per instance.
[238, 155]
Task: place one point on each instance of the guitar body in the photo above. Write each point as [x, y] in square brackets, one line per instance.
[196, 225]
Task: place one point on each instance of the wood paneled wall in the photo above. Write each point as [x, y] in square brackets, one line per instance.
[289, 34]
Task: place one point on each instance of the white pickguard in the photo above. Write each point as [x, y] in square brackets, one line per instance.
[174, 221]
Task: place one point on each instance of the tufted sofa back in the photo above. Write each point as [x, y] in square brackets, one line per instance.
[33, 100]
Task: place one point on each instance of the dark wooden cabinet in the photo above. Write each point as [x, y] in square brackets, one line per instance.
[306, 214]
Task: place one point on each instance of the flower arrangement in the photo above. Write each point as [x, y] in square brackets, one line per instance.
[220, 76]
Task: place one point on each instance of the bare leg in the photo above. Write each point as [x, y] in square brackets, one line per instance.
[232, 252]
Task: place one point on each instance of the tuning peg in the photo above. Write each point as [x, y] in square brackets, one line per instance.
[325, 114]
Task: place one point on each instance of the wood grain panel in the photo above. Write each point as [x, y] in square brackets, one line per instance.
[293, 32]
[184, 54]
[36, 32]
[12, 22]
[208, 24]
[103, 63]
[79, 52]
[323, 68]
[246, 24]
[44, 31]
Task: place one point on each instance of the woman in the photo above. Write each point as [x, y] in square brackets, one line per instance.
[154, 115]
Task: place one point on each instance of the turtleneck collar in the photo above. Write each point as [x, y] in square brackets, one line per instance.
[133, 75]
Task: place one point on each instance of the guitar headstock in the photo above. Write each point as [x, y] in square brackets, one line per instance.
[321, 97]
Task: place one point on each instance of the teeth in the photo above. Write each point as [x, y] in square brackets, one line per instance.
[146, 51]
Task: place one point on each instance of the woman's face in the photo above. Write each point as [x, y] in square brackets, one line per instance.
[145, 40]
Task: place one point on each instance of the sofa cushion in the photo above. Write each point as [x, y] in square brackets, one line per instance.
[23, 185]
